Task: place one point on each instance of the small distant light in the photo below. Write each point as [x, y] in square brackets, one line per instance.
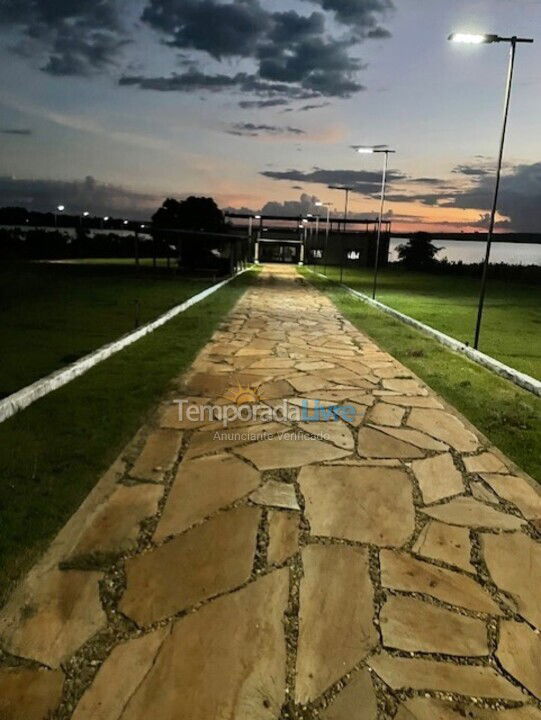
[125, 222]
[86, 213]
[470, 39]
[143, 227]
[106, 218]
[365, 150]
[257, 217]
[61, 208]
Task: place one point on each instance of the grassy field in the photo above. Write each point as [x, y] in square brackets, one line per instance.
[52, 314]
[508, 416]
[52, 453]
[512, 322]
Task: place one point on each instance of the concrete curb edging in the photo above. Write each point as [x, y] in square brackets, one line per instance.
[508, 373]
[29, 394]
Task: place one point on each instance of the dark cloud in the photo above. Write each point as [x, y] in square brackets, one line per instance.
[77, 52]
[263, 87]
[307, 108]
[249, 104]
[472, 170]
[427, 181]
[323, 66]
[287, 47]
[82, 37]
[290, 27]
[194, 80]
[15, 131]
[361, 181]
[378, 33]
[520, 197]
[221, 30]
[75, 37]
[77, 195]
[362, 15]
[184, 82]
[248, 129]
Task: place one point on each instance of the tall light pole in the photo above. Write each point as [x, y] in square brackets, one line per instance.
[480, 40]
[328, 205]
[317, 235]
[385, 152]
[347, 190]
[310, 232]
[59, 208]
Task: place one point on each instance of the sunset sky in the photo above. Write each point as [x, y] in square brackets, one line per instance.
[111, 105]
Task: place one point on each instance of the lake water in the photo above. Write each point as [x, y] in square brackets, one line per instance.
[474, 252]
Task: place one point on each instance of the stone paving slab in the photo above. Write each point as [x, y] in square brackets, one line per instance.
[29, 694]
[228, 660]
[429, 709]
[416, 626]
[385, 565]
[336, 631]
[420, 674]
[207, 560]
[369, 505]
[201, 487]
[357, 701]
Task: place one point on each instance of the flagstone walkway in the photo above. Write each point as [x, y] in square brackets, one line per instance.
[386, 564]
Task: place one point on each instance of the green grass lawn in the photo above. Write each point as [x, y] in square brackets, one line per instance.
[52, 453]
[508, 416]
[512, 321]
[52, 314]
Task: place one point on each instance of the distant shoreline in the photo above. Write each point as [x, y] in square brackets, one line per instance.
[473, 251]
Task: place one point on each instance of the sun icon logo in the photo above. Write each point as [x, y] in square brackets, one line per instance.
[242, 395]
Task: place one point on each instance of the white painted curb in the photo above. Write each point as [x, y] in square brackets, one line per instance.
[521, 379]
[28, 395]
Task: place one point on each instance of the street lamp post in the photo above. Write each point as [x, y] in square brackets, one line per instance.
[59, 208]
[256, 246]
[386, 152]
[480, 40]
[328, 205]
[317, 236]
[347, 190]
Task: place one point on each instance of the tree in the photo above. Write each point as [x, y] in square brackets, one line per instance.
[194, 213]
[419, 253]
